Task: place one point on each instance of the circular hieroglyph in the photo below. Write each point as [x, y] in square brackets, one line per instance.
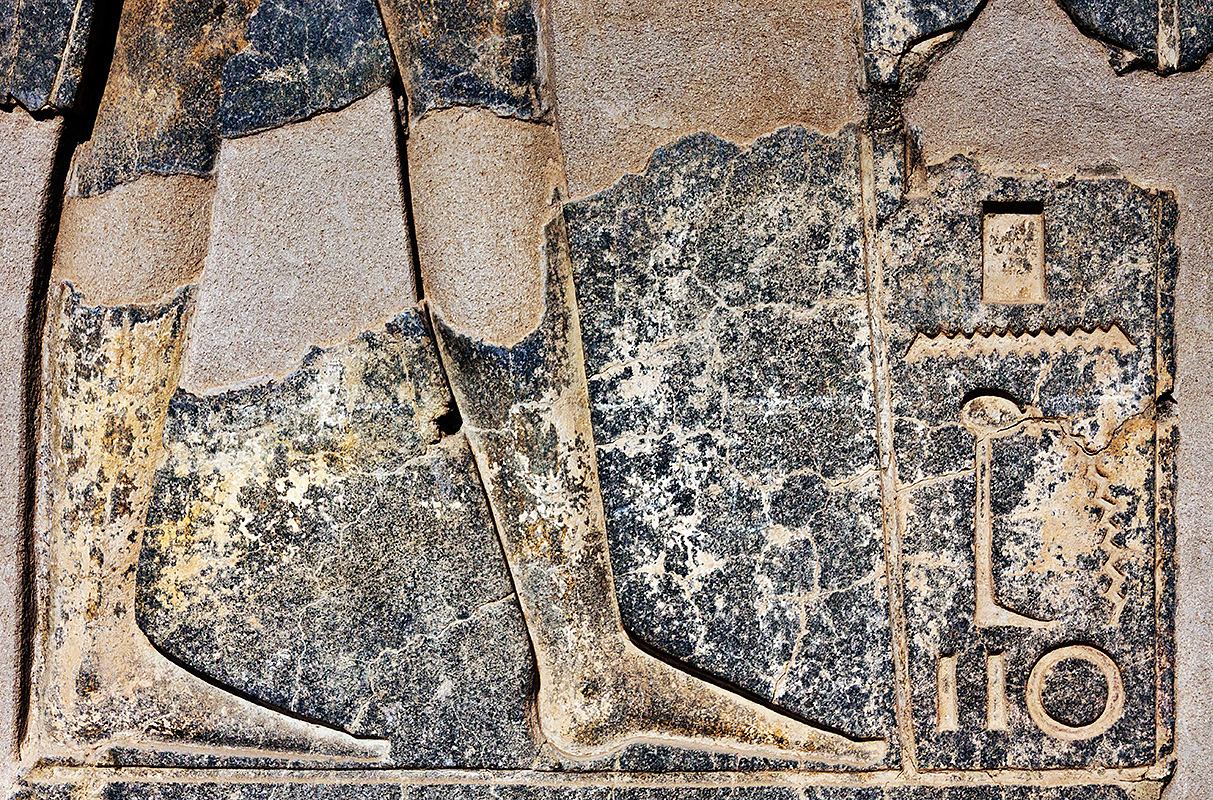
[1114, 705]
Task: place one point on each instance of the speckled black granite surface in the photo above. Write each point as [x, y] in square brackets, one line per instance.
[324, 544]
[1128, 24]
[321, 545]
[302, 58]
[724, 318]
[481, 53]
[186, 72]
[1134, 28]
[42, 45]
[892, 27]
[1195, 32]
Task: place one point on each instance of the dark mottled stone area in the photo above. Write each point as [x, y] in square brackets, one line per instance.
[159, 112]
[1073, 485]
[889, 170]
[303, 57]
[892, 27]
[1131, 25]
[319, 545]
[1134, 28]
[725, 326]
[355, 790]
[480, 53]
[1195, 32]
[42, 44]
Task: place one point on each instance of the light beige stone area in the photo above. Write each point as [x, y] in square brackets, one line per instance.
[136, 242]
[1024, 88]
[309, 244]
[25, 179]
[483, 189]
[632, 76]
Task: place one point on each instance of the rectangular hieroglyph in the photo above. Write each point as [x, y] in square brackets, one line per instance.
[1013, 253]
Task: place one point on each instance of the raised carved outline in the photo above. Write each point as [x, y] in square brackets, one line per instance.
[1007, 342]
[1114, 705]
[991, 417]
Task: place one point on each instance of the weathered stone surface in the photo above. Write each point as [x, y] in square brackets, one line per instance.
[391, 790]
[159, 111]
[1134, 30]
[724, 314]
[308, 245]
[99, 688]
[1195, 32]
[302, 58]
[821, 378]
[1131, 26]
[25, 198]
[483, 188]
[320, 544]
[1030, 471]
[1183, 29]
[542, 787]
[42, 46]
[629, 77]
[892, 27]
[137, 242]
[480, 53]
[1006, 94]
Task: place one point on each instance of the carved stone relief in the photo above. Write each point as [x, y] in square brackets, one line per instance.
[791, 468]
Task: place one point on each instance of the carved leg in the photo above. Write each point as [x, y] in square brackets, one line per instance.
[102, 687]
[101, 690]
[526, 411]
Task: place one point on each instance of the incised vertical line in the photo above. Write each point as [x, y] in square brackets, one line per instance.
[946, 714]
[881, 384]
[64, 57]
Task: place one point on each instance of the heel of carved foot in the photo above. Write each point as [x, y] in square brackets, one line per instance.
[570, 727]
[160, 710]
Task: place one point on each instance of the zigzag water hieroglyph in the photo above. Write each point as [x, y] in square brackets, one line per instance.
[1103, 499]
[1010, 342]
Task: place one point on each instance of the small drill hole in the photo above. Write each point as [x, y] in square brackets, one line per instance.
[451, 422]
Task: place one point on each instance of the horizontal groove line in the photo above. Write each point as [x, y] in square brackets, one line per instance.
[639, 780]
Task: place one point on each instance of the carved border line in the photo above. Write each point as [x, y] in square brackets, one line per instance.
[1166, 443]
[890, 508]
[1126, 778]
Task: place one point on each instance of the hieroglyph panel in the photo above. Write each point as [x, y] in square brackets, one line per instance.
[1035, 458]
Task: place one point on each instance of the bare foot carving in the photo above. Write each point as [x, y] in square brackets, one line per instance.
[624, 695]
[101, 686]
[526, 413]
